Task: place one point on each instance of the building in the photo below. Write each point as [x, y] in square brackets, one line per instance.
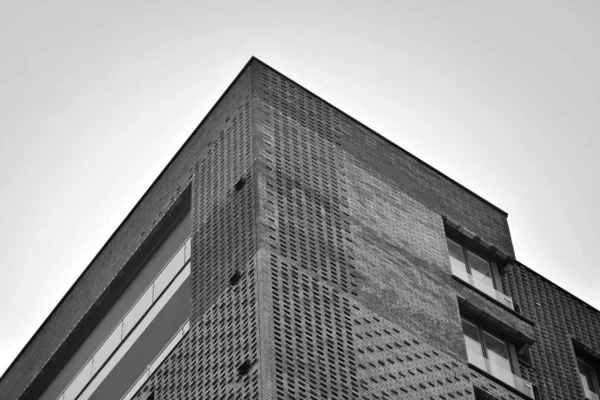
[289, 252]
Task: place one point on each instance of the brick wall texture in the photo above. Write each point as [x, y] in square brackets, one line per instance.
[340, 241]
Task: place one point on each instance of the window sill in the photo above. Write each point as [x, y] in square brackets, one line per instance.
[495, 301]
[500, 382]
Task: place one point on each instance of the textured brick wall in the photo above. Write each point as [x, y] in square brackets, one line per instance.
[388, 163]
[355, 261]
[307, 265]
[224, 322]
[560, 318]
[347, 290]
[407, 303]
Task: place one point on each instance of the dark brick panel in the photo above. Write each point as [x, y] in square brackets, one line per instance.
[223, 215]
[402, 261]
[560, 319]
[427, 186]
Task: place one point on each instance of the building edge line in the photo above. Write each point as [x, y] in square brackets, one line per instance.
[495, 207]
[63, 299]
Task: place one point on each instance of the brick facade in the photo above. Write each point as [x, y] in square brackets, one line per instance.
[345, 289]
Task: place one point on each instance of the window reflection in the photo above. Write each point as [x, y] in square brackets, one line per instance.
[497, 350]
[472, 338]
[457, 258]
[480, 269]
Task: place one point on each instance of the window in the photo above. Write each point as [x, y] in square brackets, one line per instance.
[477, 271]
[489, 352]
[589, 379]
[124, 359]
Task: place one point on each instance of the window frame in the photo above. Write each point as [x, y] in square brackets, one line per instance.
[510, 347]
[466, 248]
[595, 379]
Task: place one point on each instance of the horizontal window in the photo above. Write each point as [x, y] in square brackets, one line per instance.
[162, 355]
[166, 287]
[477, 271]
[148, 339]
[491, 353]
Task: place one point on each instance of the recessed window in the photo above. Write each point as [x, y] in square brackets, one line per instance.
[490, 352]
[589, 379]
[478, 271]
[146, 334]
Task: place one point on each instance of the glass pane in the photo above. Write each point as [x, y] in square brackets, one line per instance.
[188, 249]
[586, 372]
[480, 269]
[137, 311]
[472, 338]
[585, 380]
[107, 348]
[168, 273]
[497, 351]
[457, 260]
[80, 381]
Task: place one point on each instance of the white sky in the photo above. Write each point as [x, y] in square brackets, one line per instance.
[96, 98]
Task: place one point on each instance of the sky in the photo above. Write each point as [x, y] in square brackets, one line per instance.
[97, 97]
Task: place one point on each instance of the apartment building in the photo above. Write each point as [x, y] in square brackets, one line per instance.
[289, 252]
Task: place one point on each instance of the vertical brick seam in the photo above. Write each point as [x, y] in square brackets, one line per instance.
[224, 322]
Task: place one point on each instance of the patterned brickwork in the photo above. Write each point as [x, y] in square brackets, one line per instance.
[438, 193]
[224, 330]
[395, 364]
[307, 235]
[404, 277]
[338, 230]
[313, 337]
[205, 364]
[223, 216]
[560, 319]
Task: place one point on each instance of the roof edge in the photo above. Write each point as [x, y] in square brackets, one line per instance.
[499, 254]
[246, 66]
[562, 289]
[386, 139]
